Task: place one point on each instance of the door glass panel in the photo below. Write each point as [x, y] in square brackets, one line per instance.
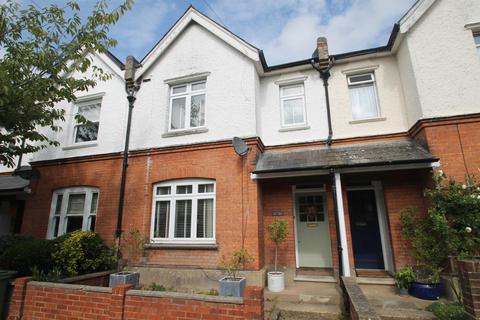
[311, 209]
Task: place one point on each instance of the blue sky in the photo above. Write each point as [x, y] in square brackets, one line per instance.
[285, 29]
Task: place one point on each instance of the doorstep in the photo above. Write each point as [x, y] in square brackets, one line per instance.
[376, 281]
[313, 278]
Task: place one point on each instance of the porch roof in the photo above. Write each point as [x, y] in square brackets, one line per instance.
[13, 183]
[344, 156]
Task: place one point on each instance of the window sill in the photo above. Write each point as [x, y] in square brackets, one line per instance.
[368, 120]
[295, 128]
[184, 132]
[80, 145]
[181, 246]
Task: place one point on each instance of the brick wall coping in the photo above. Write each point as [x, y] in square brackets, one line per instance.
[69, 286]
[86, 276]
[361, 308]
[186, 296]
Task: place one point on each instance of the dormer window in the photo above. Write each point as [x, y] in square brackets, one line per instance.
[363, 96]
[187, 106]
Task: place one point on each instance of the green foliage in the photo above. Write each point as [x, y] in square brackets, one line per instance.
[9, 240]
[52, 275]
[277, 232]
[83, 252]
[450, 311]
[134, 242]
[158, 287]
[231, 265]
[43, 50]
[403, 277]
[28, 254]
[211, 292]
[451, 226]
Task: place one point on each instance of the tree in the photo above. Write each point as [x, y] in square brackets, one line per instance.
[277, 232]
[41, 51]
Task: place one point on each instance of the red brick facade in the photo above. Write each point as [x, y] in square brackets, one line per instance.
[37, 300]
[242, 201]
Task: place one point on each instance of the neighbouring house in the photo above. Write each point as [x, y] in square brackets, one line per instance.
[395, 111]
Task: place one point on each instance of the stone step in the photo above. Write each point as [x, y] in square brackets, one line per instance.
[403, 314]
[303, 298]
[302, 311]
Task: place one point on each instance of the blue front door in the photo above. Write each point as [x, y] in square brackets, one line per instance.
[365, 230]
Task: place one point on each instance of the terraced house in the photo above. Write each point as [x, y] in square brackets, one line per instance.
[337, 144]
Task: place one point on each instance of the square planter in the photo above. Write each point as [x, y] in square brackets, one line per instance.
[229, 287]
[125, 277]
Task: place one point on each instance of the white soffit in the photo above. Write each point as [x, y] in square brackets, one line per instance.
[414, 14]
[193, 15]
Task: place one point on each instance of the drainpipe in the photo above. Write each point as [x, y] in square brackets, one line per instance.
[323, 62]
[131, 89]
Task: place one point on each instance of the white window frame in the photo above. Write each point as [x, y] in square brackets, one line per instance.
[188, 97]
[173, 197]
[86, 101]
[359, 83]
[66, 192]
[292, 97]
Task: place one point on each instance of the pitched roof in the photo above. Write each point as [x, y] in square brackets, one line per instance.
[344, 156]
[13, 183]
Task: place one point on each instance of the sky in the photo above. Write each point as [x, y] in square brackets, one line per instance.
[286, 30]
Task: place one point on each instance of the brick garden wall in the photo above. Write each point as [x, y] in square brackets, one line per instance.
[42, 301]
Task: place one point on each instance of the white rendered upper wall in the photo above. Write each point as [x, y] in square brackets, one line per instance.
[442, 56]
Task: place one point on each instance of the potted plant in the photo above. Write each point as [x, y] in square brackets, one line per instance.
[427, 284]
[403, 278]
[232, 285]
[277, 232]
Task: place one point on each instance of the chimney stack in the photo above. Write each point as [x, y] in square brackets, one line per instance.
[322, 48]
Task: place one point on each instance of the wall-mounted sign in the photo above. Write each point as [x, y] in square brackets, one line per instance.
[277, 213]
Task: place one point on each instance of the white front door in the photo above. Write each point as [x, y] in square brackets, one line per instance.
[313, 232]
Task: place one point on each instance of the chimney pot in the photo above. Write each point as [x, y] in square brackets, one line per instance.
[322, 48]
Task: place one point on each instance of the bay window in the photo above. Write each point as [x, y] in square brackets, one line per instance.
[184, 211]
[73, 209]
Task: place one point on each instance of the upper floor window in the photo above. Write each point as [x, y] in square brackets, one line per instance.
[476, 37]
[184, 211]
[363, 96]
[90, 110]
[292, 100]
[73, 209]
[187, 105]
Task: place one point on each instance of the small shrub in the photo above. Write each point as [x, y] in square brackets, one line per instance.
[9, 240]
[403, 277]
[52, 275]
[277, 232]
[82, 252]
[158, 287]
[28, 254]
[443, 311]
[231, 265]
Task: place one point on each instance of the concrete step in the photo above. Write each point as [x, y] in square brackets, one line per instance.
[302, 311]
[303, 298]
[403, 314]
[314, 278]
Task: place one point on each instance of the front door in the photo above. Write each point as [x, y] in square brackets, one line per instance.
[313, 233]
[365, 230]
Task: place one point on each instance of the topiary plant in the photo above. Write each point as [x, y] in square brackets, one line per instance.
[81, 252]
[277, 232]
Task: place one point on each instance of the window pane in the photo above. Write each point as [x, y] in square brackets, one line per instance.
[477, 39]
[197, 111]
[361, 78]
[74, 223]
[93, 206]
[178, 113]
[364, 102]
[293, 111]
[76, 204]
[58, 205]
[198, 86]
[91, 112]
[205, 218]
[86, 132]
[180, 89]
[162, 211]
[203, 188]
[292, 90]
[183, 218]
[56, 223]
[163, 190]
[91, 223]
[184, 189]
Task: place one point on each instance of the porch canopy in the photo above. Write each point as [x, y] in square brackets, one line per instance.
[372, 156]
[10, 185]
